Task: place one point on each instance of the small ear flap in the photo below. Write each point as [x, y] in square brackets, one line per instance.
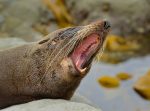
[43, 41]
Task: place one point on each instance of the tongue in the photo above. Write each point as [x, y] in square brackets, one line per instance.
[84, 51]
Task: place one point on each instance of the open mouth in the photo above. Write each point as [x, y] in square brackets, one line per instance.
[83, 54]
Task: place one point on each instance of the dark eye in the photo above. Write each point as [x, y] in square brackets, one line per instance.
[69, 32]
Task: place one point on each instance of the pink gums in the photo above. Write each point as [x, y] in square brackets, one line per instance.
[84, 51]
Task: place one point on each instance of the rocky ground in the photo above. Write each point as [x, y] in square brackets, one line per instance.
[77, 103]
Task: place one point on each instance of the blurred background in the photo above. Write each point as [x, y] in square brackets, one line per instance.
[120, 77]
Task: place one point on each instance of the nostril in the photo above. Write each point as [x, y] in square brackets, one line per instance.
[106, 25]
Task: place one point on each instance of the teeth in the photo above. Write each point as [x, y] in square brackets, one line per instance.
[83, 70]
[84, 51]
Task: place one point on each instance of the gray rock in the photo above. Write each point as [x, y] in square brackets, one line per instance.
[19, 17]
[53, 105]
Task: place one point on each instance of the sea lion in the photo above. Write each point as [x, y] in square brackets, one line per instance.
[52, 67]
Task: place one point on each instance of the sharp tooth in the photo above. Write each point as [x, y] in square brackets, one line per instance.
[83, 70]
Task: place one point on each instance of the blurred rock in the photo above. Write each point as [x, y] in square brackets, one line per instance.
[123, 76]
[18, 17]
[59, 10]
[123, 15]
[1, 20]
[109, 82]
[118, 48]
[10, 42]
[115, 57]
[142, 86]
[53, 105]
[120, 44]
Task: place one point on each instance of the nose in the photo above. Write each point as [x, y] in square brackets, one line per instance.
[106, 25]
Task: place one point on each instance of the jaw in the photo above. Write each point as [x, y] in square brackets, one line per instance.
[84, 53]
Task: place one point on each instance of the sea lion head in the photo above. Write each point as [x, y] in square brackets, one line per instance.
[52, 67]
[66, 56]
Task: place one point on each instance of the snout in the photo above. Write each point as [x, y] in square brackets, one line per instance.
[106, 25]
[102, 24]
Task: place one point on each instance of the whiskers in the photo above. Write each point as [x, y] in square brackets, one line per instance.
[60, 54]
[100, 52]
[64, 48]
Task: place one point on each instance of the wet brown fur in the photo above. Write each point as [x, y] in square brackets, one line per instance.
[33, 71]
